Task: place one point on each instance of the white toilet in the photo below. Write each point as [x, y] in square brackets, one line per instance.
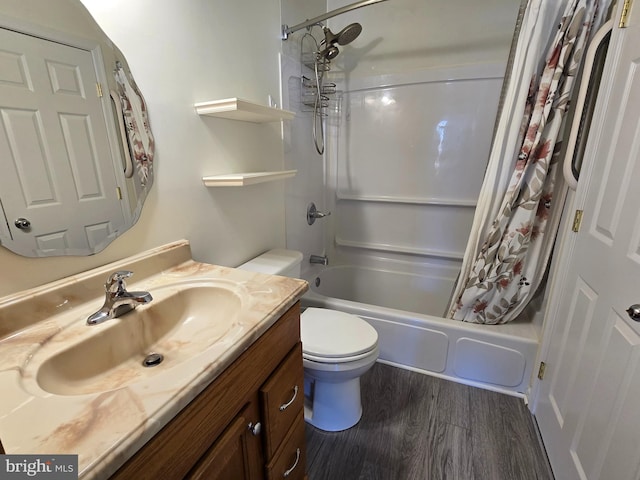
[337, 348]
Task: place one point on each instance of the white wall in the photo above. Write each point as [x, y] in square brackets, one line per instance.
[181, 53]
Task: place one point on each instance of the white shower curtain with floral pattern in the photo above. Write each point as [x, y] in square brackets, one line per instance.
[523, 194]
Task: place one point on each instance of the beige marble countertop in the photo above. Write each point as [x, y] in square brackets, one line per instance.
[107, 427]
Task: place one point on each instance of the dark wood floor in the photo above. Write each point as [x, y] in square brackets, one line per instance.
[417, 427]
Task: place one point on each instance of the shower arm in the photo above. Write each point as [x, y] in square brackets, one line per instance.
[286, 30]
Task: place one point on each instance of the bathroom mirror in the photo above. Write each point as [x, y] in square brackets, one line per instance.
[76, 150]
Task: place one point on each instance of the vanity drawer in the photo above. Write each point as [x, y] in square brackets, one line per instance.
[291, 457]
[282, 399]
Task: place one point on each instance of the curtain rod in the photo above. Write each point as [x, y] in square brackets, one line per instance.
[286, 30]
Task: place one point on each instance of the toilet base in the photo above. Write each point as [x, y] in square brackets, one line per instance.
[332, 406]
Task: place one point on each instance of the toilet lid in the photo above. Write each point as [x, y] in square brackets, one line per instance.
[331, 334]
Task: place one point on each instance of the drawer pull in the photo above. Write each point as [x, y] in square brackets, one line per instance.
[295, 464]
[284, 406]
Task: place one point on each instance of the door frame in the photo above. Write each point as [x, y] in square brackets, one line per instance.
[565, 246]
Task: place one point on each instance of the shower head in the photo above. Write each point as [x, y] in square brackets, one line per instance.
[345, 36]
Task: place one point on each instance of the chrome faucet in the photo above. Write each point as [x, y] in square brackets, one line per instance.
[320, 259]
[117, 300]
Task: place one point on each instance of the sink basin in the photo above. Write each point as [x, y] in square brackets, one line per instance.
[181, 322]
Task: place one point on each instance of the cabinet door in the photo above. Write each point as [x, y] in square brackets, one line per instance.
[236, 454]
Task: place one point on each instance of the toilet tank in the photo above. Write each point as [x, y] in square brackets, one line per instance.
[276, 262]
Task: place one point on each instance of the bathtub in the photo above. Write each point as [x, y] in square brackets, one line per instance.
[414, 337]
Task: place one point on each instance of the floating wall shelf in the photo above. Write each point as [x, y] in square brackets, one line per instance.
[237, 109]
[244, 179]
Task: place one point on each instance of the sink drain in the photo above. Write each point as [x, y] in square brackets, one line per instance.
[152, 360]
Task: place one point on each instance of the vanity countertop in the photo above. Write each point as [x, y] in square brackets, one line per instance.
[107, 427]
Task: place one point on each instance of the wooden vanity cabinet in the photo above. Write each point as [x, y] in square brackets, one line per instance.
[247, 424]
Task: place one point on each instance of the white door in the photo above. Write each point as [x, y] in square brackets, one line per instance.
[56, 166]
[588, 404]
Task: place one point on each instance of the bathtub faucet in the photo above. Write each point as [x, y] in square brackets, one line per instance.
[319, 259]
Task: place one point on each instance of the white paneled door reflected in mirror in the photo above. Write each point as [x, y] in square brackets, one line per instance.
[76, 150]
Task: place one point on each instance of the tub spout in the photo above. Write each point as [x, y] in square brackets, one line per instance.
[319, 259]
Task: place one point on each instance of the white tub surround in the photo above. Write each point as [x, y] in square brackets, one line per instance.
[495, 357]
[106, 427]
[408, 156]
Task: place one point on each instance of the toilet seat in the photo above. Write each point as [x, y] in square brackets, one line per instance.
[321, 342]
[331, 360]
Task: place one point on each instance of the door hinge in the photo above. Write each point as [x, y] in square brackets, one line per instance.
[624, 16]
[99, 90]
[118, 193]
[541, 370]
[577, 220]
